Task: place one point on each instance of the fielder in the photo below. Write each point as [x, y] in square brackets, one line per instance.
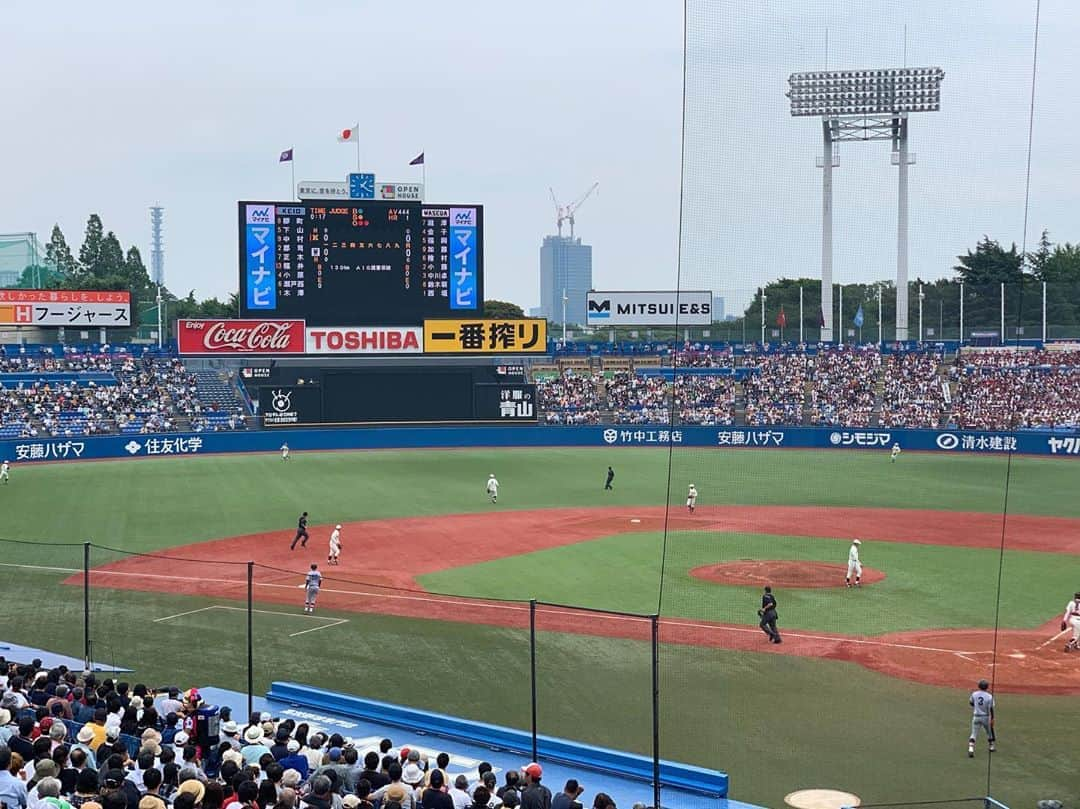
[284, 452]
[854, 565]
[982, 706]
[895, 453]
[691, 498]
[311, 585]
[1071, 620]
[493, 488]
[335, 546]
[301, 532]
[5, 472]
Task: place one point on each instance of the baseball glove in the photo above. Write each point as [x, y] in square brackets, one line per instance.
[760, 613]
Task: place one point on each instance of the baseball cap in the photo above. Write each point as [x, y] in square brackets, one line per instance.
[856, 542]
[335, 753]
[984, 684]
[180, 739]
[265, 717]
[351, 801]
[404, 753]
[533, 770]
[414, 755]
[338, 527]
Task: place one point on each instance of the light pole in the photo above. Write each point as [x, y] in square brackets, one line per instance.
[763, 316]
[921, 297]
[564, 300]
[880, 334]
[861, 105]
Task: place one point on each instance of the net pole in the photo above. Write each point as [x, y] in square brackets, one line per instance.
[655, 621]
[532, 672]
[86, 605]
[250, 639]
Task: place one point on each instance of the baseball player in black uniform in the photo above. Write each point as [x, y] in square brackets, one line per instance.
[610, 477]
[301, 532]
[769, 616]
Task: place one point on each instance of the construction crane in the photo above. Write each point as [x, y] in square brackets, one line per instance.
[566, 213]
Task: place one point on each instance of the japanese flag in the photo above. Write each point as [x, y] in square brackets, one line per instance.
[350, 134]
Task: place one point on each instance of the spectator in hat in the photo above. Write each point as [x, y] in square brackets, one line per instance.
[83, 739]
[535, 795]
[395, 791]
[412, 774]
[294, 761]
[230, 732]
[6, 731]
[460, 793]
[253, 748]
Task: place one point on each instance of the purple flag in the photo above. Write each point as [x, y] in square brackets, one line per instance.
[418, 160]
[286, 156]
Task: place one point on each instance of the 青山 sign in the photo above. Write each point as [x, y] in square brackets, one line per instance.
[480, 336]
[649, 309]
[65, 307]
[240, 336]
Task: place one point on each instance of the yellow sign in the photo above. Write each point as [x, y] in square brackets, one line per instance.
[480, 336]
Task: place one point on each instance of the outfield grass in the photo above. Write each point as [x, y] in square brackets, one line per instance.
[776, 722]
[926, 586]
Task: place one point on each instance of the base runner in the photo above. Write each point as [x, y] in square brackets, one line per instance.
[1071, 620]
[301, 532]
[982, 707]
[335, 546]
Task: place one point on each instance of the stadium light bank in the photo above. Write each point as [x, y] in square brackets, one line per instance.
[864, 105]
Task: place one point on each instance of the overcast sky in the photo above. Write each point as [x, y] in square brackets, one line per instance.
[115, 106]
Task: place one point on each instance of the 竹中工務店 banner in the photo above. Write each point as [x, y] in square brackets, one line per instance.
[65, 307]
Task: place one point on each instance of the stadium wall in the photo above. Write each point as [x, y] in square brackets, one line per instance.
[446, 437]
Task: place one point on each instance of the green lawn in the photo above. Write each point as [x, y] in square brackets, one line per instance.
[926, 586]
[776, 722]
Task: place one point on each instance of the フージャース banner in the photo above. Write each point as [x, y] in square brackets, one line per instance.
[36, 449]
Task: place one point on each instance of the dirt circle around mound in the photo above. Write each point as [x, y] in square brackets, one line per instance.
[786, 573]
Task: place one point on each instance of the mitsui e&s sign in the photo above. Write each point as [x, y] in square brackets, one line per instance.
[671, 309]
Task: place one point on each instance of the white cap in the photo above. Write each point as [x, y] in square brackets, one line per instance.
[337, 527]
[856, 542]
[491, 475]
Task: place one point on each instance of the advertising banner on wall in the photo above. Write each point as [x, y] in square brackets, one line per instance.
[246, 337]
[65, 307]
[365, 340]
[505, 402]
[522, 336]
[669, 309]
[285, 405]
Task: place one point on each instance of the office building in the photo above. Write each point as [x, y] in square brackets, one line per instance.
[565, 263]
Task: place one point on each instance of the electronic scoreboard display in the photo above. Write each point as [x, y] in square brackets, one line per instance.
[361, 262]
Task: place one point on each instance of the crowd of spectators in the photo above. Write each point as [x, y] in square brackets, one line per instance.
[1003, 398]
[776, 393]
[636, 399]
[913, 392]
[700, 356]
[707, 400]
[70, 741]
[572, 397]
[842, 390]
[146, 395]
[1008, 357]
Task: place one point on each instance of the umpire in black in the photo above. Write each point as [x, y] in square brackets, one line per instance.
[768, 616]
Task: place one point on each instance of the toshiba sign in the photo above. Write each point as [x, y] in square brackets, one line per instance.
[240, 336]
[365, 340]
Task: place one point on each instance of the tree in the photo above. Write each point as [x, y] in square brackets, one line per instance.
[137, 276]
[39, 276]
[110, 261]
[90, 252]
[1038, 259]
[58, 253]
[991, 264]
[502, 309]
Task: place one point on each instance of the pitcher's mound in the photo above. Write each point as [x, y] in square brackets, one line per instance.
[821, 798]
[781, 573]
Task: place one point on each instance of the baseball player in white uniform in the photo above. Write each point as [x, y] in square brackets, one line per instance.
[982, 716]
[284, 452]
[854, 565]
[493, 488]
[1071, 620]
[335, 545]
[691, 498]
[895, 453]
[5, 472]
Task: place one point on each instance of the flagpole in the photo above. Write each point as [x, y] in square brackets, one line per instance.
[358, 151]
[800, 315]
[292, 174]
[423, 173]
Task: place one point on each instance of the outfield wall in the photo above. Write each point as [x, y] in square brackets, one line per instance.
[639, 435]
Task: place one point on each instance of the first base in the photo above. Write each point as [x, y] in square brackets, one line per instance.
[635, 520]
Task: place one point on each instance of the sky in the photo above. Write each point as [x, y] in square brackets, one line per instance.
[117, 106]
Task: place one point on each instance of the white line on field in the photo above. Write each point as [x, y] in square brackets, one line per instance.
[437, 599]
[317, 628]
[181, 614]
[331, 621]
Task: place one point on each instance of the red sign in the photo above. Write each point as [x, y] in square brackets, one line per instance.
[365, 340]
[240, 336]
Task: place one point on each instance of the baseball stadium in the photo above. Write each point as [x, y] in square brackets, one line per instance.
[366, 536]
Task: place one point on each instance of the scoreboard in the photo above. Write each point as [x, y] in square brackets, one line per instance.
[360, 262]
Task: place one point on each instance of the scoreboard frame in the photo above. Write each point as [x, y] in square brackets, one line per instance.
[345, 303]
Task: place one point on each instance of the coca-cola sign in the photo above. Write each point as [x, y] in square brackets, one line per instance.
[248, 337]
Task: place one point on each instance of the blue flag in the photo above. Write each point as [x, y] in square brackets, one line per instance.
[859, 318]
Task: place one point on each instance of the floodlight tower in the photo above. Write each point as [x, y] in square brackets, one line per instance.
[863, 105]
